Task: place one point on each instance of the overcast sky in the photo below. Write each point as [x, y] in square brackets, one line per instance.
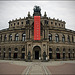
[64, 10]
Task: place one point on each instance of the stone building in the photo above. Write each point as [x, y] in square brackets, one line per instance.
[17, 41]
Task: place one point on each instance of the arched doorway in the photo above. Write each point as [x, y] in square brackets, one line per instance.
[36, 52]
[57, 53]
[50, 53]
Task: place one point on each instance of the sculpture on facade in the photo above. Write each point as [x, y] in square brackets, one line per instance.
[29, 55]
[44, 55]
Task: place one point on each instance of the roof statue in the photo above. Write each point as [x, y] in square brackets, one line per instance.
[37, 9]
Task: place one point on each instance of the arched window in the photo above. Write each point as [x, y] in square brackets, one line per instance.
[50, 37]
[57, 53]
[50, 49]
[1, 38]
[57, 38]
[57, 49]
[68, 38]
[4, 49]
[23, 37]
[5, 38]
[16, 49]
[69, 50]
[28, 22]
[63, 49]
[10, 37]
[16, 37]
[23, 49]
[63, 38]
[9, 49]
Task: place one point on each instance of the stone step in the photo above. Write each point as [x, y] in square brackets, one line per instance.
[36, 60]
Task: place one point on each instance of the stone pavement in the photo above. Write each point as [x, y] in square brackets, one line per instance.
[37, 68]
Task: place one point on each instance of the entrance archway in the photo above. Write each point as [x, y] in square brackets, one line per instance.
[36, 52]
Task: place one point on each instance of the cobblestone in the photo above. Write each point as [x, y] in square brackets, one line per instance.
[39, 68]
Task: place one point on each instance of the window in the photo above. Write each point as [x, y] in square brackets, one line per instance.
[23, 49]
[5, 38]
[50, 37]
[16, 37]
[15, 55]
[14, 24]
[28, 22]
[69, 50]
[68, 38]
[57, 38]
[3, 49]
[50, 49]
[23, 37]
[55, 23]
[1, 38]
[0, 49]
[63, 49]
[9, 55]
[63, 38]
[51, 22]
[10, 37]
[73, 55]
[46, 22]
[17, 23]
[62, 25]
[16, 49]
[57, 49]
[23, 55]
[21, 22]
[9, 49]
[59, 24]
[11, 24]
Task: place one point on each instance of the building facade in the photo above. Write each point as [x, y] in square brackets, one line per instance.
[17, 42]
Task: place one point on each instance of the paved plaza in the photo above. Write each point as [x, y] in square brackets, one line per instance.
[37, 68]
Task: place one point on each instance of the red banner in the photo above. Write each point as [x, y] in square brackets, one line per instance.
[36, 27]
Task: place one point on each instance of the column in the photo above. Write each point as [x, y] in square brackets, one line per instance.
[53, 37]
[2, 52]
[6, 52]
[71, 38]
[48, 51]
[7, 37]
[60, 37]
[13, 36]
[19, 52]
[54, 52]
[20, 36]
[66, 36]
[43, 34]
[66, 53]
[12, 52]
[61, 53]
[2, 37]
